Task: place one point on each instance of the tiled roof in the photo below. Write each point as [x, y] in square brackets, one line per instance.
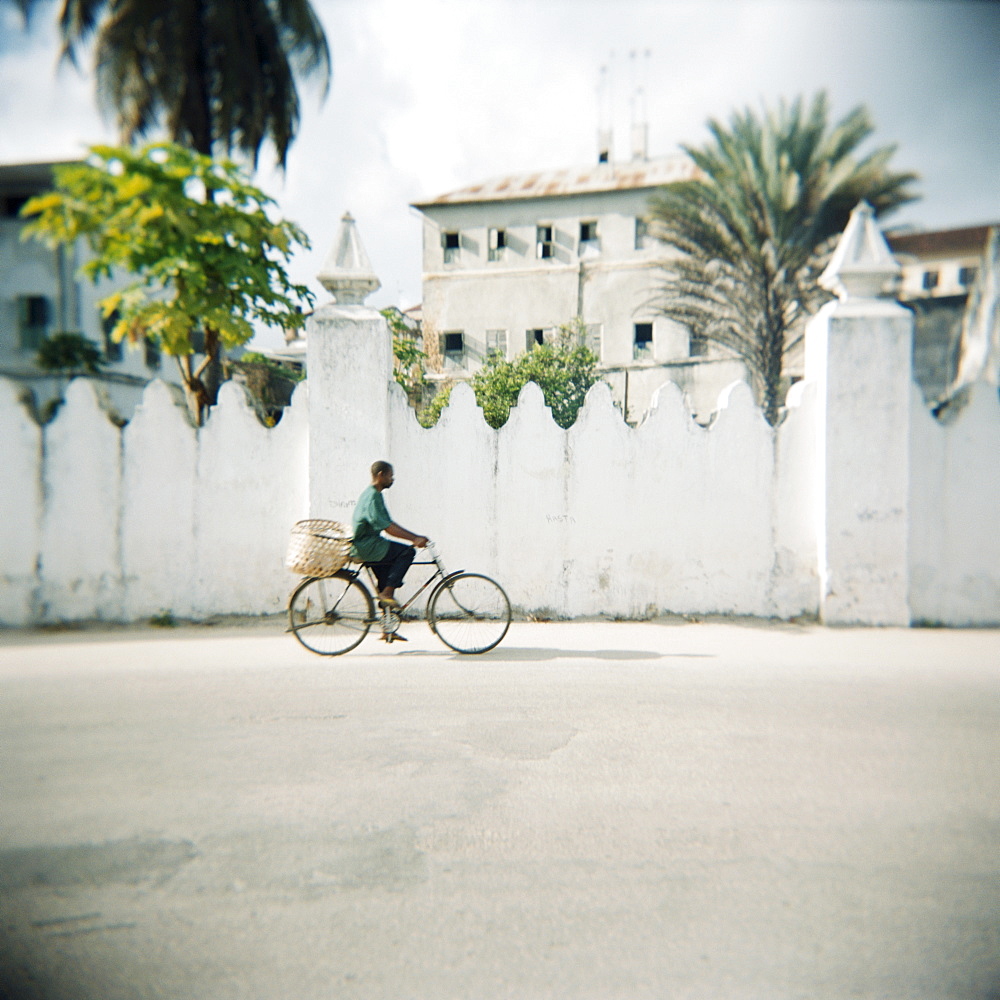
[638, 174]
[940, 242]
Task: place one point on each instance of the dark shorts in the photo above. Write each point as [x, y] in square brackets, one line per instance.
[390, 570]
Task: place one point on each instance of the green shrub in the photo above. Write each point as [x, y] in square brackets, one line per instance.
[69, 352]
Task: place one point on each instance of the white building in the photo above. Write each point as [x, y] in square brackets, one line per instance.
[939, 263]
[939, 269]
[507, 261]
[41, 294]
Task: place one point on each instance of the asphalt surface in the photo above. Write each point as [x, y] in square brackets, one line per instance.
[592, 810]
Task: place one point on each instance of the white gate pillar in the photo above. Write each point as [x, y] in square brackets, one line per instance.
[349, 364]
[859, 352]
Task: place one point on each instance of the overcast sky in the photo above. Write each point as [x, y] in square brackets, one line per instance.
[430, 95]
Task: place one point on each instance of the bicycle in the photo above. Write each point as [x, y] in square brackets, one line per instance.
[330, 615]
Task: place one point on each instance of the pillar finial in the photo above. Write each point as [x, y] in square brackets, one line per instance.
[347, 272]
[862, 265]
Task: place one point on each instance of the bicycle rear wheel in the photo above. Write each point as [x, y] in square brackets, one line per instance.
[330, 615]
[469, 612]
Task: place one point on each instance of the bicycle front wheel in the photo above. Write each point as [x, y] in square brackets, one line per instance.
[330, 615]
[469, 612]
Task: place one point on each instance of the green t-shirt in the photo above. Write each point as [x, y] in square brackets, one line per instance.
[370, 520]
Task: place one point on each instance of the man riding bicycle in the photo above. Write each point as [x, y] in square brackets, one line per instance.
[389, 560]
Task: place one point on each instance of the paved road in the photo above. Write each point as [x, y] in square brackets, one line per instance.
[590, 811]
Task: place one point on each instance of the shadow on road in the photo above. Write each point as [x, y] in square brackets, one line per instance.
[528, 654]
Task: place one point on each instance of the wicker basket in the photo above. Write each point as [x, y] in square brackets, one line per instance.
[318, 548]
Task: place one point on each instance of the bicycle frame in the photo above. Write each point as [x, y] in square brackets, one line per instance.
[440, 575]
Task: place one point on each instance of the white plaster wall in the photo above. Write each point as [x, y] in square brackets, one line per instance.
[598, 519]
[159, 491]
[735, 509]
[795, 575]
[707, 490]
[603, 529]
[249, 495]
[158, 518]
[664, 549]
[285, 501]
[955, 513]
[21, 506]
[532, 505]
[80, 543]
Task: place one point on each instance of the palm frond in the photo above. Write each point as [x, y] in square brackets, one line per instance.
[748, 240]
[78, 20]
[212, 73]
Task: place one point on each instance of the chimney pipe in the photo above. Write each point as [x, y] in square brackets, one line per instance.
[604, 131]
[640, 126]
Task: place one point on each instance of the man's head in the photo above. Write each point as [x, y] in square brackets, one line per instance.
[382, 475]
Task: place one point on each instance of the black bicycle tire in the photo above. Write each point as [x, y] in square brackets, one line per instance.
[435, 620]
[360, 628]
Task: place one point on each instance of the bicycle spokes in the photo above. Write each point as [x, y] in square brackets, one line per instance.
[330, 615]
[470, 613]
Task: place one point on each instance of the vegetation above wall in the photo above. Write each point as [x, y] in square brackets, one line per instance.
[408, 361]
[69, 354]
[564, 370]
[208, 261]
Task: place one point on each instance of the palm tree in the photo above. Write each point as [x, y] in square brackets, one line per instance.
[217, 75]
[750, 235]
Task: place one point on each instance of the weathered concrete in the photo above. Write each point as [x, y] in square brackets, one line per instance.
[589, 811]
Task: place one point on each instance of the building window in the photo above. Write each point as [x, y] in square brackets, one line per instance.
[34, 316]
[453, 349]
[697, 345]
[545, 242]
[112, 348]
[534, 338]
[450, 243]
[588, 232]
[641, 233]
[498, 243]
[496, 343]
[151, 353]
[11, 205]
[967, 275]
[930, 280]
[642, 342]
